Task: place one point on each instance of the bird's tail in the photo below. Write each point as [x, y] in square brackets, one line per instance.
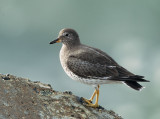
[134, 85]
[131, 81]
[133, 78]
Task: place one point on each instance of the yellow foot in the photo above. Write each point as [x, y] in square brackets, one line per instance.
[87, 101]
[93, 105]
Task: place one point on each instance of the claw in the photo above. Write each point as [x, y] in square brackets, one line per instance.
[87, 101]
[93, 105]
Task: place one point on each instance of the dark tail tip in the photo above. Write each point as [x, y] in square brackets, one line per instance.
[134, 85]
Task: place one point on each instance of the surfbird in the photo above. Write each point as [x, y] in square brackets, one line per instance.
[92, 66]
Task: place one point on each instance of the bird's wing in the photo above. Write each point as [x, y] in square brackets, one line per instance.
[92, 65]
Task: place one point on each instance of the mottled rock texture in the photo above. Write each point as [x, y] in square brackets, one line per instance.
[21, 98]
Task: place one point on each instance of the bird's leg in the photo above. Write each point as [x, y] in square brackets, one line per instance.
[95, 105]
[96, 92]
[91, 99]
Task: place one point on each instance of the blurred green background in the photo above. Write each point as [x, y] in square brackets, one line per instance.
[128, 30]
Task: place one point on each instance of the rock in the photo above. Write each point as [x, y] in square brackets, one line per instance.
[21, 98]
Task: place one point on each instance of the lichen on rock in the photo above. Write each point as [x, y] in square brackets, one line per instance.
[22, 98]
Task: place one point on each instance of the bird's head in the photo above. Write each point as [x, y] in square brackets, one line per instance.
[68, 37]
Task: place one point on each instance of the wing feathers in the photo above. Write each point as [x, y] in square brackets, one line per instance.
[90, 64]
[88, 69]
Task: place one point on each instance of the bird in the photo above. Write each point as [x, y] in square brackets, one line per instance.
[92, 66]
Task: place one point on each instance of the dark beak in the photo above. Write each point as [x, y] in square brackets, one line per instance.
[55, 41]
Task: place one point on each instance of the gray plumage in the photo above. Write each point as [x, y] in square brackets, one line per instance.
[91, 64]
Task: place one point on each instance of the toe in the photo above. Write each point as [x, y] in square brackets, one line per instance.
[93, 105]
[87, 101]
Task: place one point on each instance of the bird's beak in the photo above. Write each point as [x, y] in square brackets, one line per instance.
[55, 41]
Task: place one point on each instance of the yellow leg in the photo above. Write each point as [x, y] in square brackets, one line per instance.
[96, 103]
[91, 99]
[96, 92]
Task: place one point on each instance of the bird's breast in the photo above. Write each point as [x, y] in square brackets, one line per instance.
[63, 55]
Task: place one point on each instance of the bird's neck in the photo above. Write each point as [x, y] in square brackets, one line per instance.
[71, 45]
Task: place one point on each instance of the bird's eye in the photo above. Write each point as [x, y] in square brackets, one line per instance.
[66, 34]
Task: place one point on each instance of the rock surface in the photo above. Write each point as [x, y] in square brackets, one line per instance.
[21, 98]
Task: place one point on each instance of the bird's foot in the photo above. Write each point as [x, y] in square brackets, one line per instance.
[93, 105]
[89, 103]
